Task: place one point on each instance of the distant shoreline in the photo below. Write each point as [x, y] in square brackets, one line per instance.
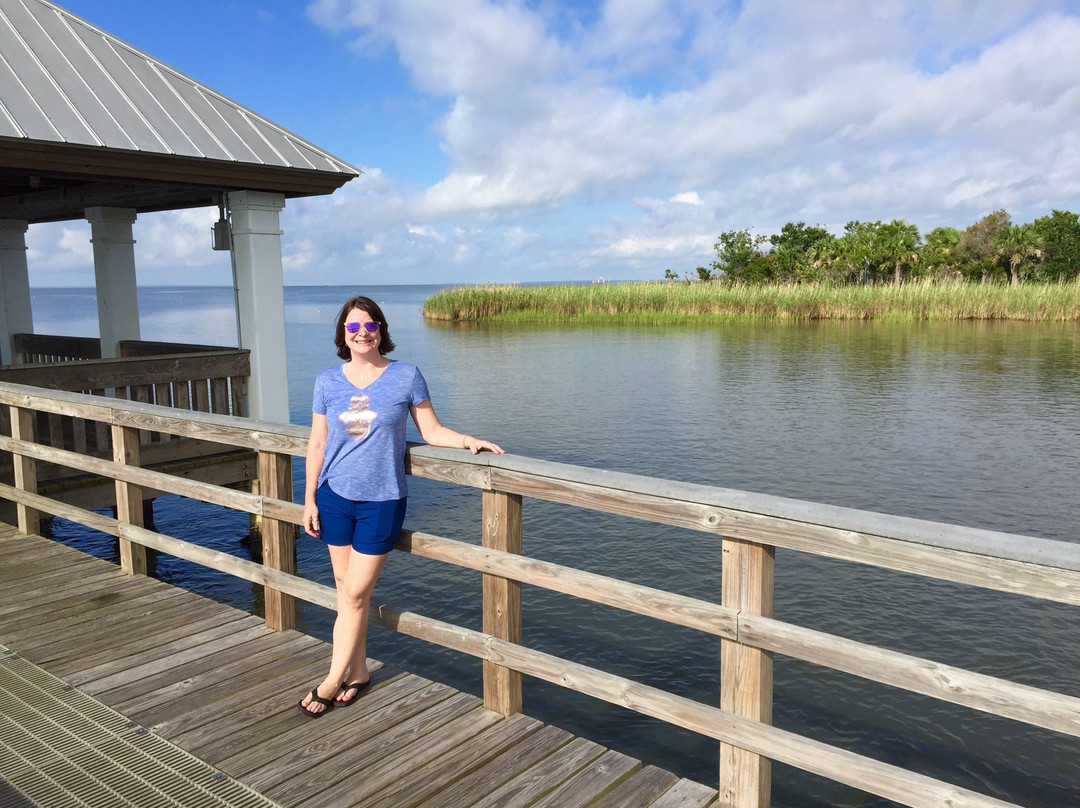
[673, 302]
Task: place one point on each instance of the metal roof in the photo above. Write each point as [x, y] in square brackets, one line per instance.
[76, 102]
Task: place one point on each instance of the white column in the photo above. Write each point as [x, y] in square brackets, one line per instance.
[15, 313]
[260, 299]
[114, 276]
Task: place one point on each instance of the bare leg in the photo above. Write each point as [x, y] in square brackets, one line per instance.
[355, 575]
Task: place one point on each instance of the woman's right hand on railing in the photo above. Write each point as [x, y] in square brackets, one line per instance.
[311, 519]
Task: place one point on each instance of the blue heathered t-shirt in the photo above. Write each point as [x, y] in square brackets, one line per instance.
[365, 443]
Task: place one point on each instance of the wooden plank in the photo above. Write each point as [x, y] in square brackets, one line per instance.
[236, 394]
[55, 434]
[1042, 708]
[501, 519]
[164, 657]
[317, 753]
[278, 538]
[46, 571]
[543, 777]
[250, 700]
[746, 673]
[201, 395]
[38, 633]
[645, 600]
[73, 615]
[977, 569]
[21, 561]
[241, 433]
[268, 717]
[129, 499]
[440, 760]
[219, 395]
[332, 782]
[22, 429]
[66, 642]
[157, 480]
[163, 696]
[236, 660]
[91, 520]
[599, 777]
[867, 774]
[56, 604]
[687, 794]
[186, 705]
[131, 371]
[497, 771]
[79, 440]
[181, 394]
[143, 393]
[639, 790]
[102, 430]
[163, 394]
[83, 669]
[449, 469]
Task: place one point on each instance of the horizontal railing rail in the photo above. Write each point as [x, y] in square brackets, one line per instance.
[1021, 565]
[40, 348]
[37, 348]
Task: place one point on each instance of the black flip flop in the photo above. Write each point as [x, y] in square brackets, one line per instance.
[359, 687]
[314, 696]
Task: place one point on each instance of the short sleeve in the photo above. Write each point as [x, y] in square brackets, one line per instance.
[318, 397]
[419, 392]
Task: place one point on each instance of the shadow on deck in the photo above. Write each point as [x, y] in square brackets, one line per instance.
[213, 682]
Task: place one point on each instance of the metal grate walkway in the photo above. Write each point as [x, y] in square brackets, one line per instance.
[60, 747]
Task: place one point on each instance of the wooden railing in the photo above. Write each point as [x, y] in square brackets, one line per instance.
[200, 378]
[751, 527]
[32, 349]
[205, 378]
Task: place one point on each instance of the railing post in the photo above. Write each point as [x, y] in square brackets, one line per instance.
[129, 500]
[502, 599]
[746, 674]
[22, 428]
[278, 538]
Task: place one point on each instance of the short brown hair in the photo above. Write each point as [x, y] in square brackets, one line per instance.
[365, 304]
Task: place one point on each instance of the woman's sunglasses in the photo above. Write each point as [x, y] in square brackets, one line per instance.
[370, 326]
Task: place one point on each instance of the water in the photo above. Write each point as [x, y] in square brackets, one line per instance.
[968, 423]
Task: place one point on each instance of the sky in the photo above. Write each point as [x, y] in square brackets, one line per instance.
[518, 141]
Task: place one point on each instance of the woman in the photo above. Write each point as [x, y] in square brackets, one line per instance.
[354, 499]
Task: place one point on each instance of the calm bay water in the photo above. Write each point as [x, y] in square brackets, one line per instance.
[968, 423]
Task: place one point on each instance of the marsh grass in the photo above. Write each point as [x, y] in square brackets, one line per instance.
[673, 302]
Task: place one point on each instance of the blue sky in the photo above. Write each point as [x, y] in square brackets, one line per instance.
[552, 140]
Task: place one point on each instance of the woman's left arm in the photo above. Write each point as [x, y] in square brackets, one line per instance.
[434, 433]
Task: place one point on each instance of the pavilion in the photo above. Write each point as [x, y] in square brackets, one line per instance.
[93, 128]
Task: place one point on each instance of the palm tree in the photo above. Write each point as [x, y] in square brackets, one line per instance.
[899, 245]
[1017, 245]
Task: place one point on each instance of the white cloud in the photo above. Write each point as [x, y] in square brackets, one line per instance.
[644, 246]
[688, 198]
[620, 138]
[425, 230]
[538, 120]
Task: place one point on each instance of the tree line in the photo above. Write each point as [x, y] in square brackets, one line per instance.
[992, 249]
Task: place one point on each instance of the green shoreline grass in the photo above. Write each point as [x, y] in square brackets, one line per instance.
[677, 301]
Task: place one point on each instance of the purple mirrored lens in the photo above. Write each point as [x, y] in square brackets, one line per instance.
[370, 326]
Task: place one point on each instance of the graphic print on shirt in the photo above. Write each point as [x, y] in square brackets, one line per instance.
[358, 417]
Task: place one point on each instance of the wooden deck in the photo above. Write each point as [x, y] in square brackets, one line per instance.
[214, 681]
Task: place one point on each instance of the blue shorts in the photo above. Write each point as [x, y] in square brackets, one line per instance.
[371, 528]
